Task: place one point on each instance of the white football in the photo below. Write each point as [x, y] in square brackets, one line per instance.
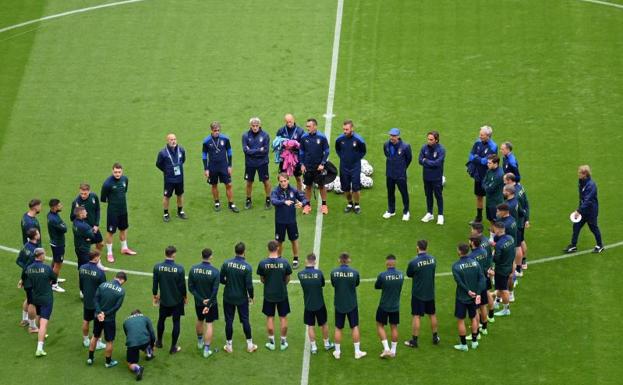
[329, 186]
[366, 181]
[337, 186]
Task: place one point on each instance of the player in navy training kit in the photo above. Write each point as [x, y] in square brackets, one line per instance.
[350, 148]
[217, 165]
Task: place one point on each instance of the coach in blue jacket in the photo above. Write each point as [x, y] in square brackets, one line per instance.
[350, 148]
[432, 157]
[255, 145]
[171, 162]
[398, 158]
[477, 165]
[588, 209]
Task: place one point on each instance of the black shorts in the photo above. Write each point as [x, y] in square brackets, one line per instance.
[171, 311]
[44, 311]
[478, 189]
[210, 317]
[97, 237]
[520, 235]
[83, 257]
[291, 228]
[490, 213]
[283, 308]
[133, 353]
[311, 175]
[88, 314]
[109, 328]
[484, 298]
[462, 309]
[501, 281]
[350, 180]
[58, 253]
[297, 169]
[419, 307]
[170, 188]
[353, 318]
[262, 173]
[114, 222]
[313, 317]
[383, 317]
[28, 295]
[219, 176]
[488, 286]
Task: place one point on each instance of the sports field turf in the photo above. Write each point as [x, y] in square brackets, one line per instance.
[80, 92]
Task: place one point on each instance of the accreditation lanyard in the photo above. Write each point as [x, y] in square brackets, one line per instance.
[177, 154]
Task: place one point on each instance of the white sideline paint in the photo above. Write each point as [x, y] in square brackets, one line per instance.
[620, 6]
[56, 16]
[329, 115]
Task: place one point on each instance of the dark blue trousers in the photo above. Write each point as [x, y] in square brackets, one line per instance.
[433, 188]
[391, 194]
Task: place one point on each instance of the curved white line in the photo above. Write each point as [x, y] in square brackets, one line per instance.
[56, 16]
[620, 6]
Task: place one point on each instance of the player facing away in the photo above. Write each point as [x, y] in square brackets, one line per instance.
[390, 283]
[139, 336]
[312, 282]
[236, 275]
[470, 281]
[169, 293]
[203, 282]
[486, 298]
[114, 192]
[345, 280]
[90, 278]
[422, 271]
[274, 273]
[24, 259]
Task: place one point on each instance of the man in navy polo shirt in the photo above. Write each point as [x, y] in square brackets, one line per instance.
[432, 157]
[398, 154]
[588, 209]
[350, 148]
[171, 162]
[217, 165]
[314, 153]
[255, 145]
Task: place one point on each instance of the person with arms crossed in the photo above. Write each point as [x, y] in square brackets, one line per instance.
[57, 229]
[256, 145]
[90, 278]
[286, 200]
[114, 192]
[169, 293]
[217, 165]
[29, 220]
[25, 258]
[422, 271]
[291, 131]
[39, 279]
[587, 211]
[108, 299]
[469, 280]
[171, 161]
[312, 282]
[390, 283]
[236, 274]
[139, 336]
[398, 158]
[350, 148]
[203, 281]
[274, 272]
[477, 165]
[432, 157]
[314, 154]
[345, 280]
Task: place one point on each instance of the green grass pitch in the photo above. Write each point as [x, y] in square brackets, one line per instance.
[80, 92]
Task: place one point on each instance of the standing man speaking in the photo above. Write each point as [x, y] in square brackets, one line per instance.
[171, 162]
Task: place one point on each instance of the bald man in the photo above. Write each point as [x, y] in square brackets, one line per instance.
[292, 131]
[171, 162]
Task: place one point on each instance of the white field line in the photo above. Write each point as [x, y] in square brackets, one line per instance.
[56, 16]
[620, 6]
[327, 131]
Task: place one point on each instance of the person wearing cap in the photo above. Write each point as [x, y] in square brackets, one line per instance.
[398, 158]
[286, 200]
[509, 162]
[217, 165]
[314, 154]
[255, 145]
[350, 148]
[588, 209]
[291, 131]
[170, 161]
[39, 279]
[477, 165]
[432, 156]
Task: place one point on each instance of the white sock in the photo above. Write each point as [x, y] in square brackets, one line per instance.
[506, 306]
[337, 348]
[394, 345]
[40, 345]
[357, 350]
[124, 244]
[326, 342]
[228, 343]
[271, 339]
[109, 248]
[284, 340]
[313, 345]
[249, 343]
[24, 315]
[32, 323]
[385, 345]
[86, 339]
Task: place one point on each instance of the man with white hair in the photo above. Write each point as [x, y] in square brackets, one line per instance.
[477, 165]
[170, 161]
[256, 144]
